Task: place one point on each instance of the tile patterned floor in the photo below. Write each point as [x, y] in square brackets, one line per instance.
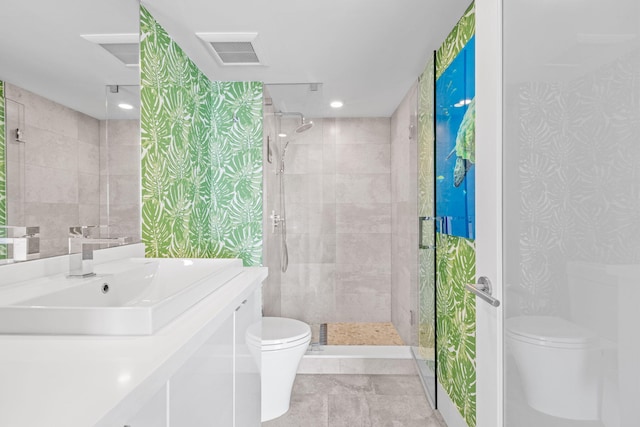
[362, 334]
[358, 401]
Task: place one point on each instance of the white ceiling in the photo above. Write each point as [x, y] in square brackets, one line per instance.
[365, 53]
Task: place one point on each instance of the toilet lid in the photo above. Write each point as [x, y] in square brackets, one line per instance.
[548, 328]
[279, 330]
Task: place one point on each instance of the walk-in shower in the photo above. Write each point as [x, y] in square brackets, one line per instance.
[328, 224]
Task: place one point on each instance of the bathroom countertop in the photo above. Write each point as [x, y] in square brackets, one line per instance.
[55, 380]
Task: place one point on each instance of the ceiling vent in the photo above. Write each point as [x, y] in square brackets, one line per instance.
[234, 48]
[125, 47]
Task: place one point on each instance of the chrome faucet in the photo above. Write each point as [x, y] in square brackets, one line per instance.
[80, 240]
[24, 241]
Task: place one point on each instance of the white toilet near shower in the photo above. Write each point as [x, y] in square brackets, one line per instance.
[283, 343]
[559, 364]
[568, 367]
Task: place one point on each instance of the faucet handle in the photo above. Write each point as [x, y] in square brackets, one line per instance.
[18, 231]
[84, 230]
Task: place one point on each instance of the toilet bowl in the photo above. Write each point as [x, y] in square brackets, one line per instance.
[283, 343]
[559, 365]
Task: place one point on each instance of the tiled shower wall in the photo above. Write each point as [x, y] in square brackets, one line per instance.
[120, 170]
[338, 202]
[404, 224]
[53, 178]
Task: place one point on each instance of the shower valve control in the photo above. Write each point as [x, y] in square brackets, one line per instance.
[275, 220]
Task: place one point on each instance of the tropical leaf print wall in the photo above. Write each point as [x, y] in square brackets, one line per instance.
[456, 327]
[456, 40]
[3, 170]
[201, 156]
[455, 266]
[236, 167]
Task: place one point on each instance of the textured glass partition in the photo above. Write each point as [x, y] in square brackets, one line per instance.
[571, 186]
[426, 351]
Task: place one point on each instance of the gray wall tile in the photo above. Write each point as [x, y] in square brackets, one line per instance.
[45, 114]
[88, 129]
[49, 149]
[363, 218]
[88, 158]
[366, 249]
[123, 159]
[311, 248]
[303, 158]
[363, 131]
[363, 188]
[362, 158]
[338, 194]
[50, 185]
[88, 189]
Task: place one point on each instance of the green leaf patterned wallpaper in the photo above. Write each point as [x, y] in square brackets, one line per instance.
[455, 256]
[456, 40]
[456, 326]
[3, 170]
[201, 156]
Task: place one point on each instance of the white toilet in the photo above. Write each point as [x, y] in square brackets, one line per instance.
[284, 342]
[559, 364]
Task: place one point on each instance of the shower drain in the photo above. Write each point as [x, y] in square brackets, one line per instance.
[322, 338]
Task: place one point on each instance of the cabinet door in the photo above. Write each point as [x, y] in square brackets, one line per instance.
[247, 371]
[201, 392]
[153, 413]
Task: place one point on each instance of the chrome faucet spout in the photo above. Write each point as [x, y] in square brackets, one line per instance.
[24, 241]
[81, 264]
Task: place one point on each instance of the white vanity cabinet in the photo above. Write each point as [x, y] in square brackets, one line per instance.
[196, 370]
[247, 365]
[219, 385]
[201, 392]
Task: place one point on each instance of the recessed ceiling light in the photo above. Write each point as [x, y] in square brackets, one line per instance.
[282, 135]
[126, 106]
[336, 104]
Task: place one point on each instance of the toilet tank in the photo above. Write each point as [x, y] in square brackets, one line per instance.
[593, 298]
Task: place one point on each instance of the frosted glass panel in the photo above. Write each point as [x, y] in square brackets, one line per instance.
[571, 212]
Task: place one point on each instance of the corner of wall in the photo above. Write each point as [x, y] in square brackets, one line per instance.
[201, 156]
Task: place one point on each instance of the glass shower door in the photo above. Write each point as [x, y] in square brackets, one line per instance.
[425, 353]
[571, 212]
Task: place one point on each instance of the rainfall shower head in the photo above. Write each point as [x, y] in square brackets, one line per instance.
[304, 126]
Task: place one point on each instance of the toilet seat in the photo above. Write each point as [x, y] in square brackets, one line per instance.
[549, 331]
[279, 333]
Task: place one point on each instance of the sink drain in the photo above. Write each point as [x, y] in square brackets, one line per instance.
[105, 288]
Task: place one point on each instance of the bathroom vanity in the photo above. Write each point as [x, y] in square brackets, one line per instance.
[195, 369]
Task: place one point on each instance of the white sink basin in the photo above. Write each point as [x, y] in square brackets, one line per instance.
[134, 296]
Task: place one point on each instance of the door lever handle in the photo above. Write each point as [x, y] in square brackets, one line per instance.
[483, 289]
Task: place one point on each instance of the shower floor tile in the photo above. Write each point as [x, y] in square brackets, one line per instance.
[362, 334]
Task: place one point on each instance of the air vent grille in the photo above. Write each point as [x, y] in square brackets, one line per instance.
[236, 52]
[125, 52]
[234, 48]
[125, 47]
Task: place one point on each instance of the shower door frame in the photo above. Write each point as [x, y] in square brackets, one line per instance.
[489, 105]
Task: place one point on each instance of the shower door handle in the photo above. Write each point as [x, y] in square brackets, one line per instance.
[421, 221]
[483, 289]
